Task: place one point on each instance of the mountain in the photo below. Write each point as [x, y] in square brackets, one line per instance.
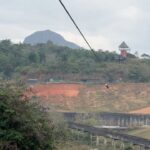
[47, 35]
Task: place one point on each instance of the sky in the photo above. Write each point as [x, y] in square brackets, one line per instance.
[105, 23]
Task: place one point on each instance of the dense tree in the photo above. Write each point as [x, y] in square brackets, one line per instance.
[23, 123]
[64, 63]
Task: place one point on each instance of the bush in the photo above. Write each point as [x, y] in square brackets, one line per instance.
[129, 148]
[23, 123]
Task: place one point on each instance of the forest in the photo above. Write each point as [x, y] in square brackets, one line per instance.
[49, 61]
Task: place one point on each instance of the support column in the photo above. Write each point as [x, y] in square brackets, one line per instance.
[97, 140]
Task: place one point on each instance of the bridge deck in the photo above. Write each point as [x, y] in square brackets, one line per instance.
[111, 134]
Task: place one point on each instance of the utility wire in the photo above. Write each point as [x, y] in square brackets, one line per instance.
[78, 29]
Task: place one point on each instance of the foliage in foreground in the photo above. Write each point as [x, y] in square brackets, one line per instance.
[23, 124]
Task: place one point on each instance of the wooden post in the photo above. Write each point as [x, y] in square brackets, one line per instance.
[77, 134]
[122, 145]
[91, 139]
[114, 144]
[137, 147]
[105, 141]
[97, 140]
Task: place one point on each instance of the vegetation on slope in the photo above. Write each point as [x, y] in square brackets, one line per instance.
[46, 61]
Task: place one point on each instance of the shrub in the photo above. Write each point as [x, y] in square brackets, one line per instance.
[23, 123]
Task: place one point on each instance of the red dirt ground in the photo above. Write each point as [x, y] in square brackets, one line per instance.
[123, 97]
[141, 111]
[67, 90]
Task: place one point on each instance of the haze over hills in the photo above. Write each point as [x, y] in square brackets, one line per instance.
[47, 35]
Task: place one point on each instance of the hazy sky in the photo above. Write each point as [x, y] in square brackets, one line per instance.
[106, 23]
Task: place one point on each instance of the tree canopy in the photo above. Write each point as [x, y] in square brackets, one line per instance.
[51, 61]
[23, 124]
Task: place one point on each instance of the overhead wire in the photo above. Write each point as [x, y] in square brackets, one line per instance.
[78, 29]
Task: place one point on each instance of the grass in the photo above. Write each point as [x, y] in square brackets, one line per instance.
[73, 146]
[80, 146]
[141, 132]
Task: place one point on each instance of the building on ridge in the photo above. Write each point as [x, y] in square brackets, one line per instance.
[124, 49]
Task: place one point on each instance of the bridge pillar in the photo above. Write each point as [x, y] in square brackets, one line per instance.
[134, 121]
[118, 121]
[131, 121]
[145, 121]
[97, 140]
[139, 121]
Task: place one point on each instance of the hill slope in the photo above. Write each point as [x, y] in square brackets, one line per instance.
[123, 97]
[47, 35]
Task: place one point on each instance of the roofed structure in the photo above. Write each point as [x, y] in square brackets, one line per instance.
[124, 48]
[124, 45]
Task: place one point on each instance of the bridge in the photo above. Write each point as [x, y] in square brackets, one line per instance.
[125, 119]
[115, 136]
[114, 119]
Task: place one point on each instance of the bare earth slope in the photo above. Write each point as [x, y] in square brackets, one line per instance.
[123, 97]
[142, 132]
[145, 110]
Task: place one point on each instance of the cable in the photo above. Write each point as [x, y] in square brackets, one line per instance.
[78, 29]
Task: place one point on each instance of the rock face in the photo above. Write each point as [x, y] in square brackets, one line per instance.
[47, 35]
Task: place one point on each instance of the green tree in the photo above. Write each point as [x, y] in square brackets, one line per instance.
[23, 123]
[33, 57]
[129, 148]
